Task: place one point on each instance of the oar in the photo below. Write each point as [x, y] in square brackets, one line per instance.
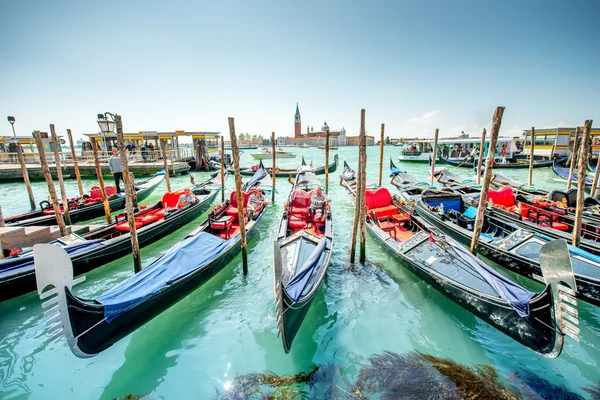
[464, 161]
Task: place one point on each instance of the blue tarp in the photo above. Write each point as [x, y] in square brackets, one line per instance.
[182, 259]
[517, 296]
[258, 175]
[25, 262]
[297, 284]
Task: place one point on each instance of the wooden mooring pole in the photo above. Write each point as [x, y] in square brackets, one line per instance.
[583, 159]
[435, 140]
[61, 182]
[531, 157]
[273, 168]
[381, 143]
[101, 181]
[327, 161]
[222, 169]
[357, 199]
[594, 190]
[496, 122]
[24, 172]
[239, 194]
[1, 218]
[363, 187]
[165, 166]
[129, 194]
[51, 189]
[480, 158]
[573, 157]
[75, 163]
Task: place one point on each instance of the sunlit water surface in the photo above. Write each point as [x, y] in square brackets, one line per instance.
[227, 327]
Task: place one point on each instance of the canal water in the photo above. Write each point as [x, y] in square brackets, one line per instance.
[226, 328]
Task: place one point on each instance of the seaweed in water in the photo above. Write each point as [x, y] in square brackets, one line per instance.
[535, 386]
[268, 385]
[594, 391]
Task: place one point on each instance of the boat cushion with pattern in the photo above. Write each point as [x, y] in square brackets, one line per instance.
[170, 199]
[505, 196]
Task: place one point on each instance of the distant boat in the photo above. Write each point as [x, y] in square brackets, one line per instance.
[305, 146]
[243, 147]
[330, 148]
[267, 153]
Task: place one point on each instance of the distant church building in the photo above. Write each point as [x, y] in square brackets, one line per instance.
[312, 138]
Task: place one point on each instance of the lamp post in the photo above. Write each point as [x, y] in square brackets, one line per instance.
[24, 172]
[325, 128]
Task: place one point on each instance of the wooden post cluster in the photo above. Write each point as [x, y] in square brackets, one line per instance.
[165, 166]
[222, 169]
[435, 140]
[101, 181]
[26, 176]
[327, 161]
[381, 143]
[75, 163]
[61, 182]
[481, 151]
[583, 159]
[129, 194]
[496, 122]
[239, 194]
[363, 186]
[359, 201]
[273, 169]
[573, 157]
[59, 218]
[531, 157]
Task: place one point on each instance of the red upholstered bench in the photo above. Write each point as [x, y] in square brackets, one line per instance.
[222, 224]
[124, 226]
[560, 226]
[296, 222]
[232, 210]
[380, 202]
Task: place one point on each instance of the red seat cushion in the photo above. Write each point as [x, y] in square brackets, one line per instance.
[384, 212]
[110, 190]
[387, 225]
[300, 199]
[95, 193]
[160, 214]
[300, 211]
[504, 196]
[147, 219]
[297, 223]
[124, 226]
[170, 199]
[222, 225]
[560, 226]
[378, 198]
[48, 211]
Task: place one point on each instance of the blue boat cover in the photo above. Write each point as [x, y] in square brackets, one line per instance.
[187, 256]
[258, 175]
[395, 171]
[25, 262]
[517, 296]
[297, 284]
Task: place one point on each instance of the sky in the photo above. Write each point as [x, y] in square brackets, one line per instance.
[413, 65]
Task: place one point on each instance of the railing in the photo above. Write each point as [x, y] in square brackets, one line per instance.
[87, 156]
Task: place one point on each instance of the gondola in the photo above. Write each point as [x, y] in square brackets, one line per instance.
[511, 164]
[408, 187]
[98, 247]
[86, 208]
[563, 172]
[285, 173]
[92, 325]
[302, 253]
[592, 162]
[536, 320]
[515, 248]
[537, 217]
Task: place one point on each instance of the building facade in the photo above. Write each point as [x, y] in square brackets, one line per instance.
[317, 138]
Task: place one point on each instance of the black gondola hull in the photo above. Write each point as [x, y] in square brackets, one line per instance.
[37, 218]
[84, 315]
[509, 165]
[587, 289]
[112, 249]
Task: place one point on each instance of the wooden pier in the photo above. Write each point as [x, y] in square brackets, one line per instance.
[12, 172]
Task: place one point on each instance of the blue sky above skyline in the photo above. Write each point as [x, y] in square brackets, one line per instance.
[414, 66]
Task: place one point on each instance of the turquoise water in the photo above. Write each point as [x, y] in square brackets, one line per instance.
[227, 327]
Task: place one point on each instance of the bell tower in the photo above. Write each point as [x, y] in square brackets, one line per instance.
[297, 123]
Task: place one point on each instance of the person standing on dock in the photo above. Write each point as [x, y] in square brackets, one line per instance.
[116, 168]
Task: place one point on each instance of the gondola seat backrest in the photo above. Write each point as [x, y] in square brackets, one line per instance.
[505, 196]
[450, 201]
[123, 226]
[379, 202]
[170, 199]
[232, 210]
[110, 191]
[300, 203]
[95, 193]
